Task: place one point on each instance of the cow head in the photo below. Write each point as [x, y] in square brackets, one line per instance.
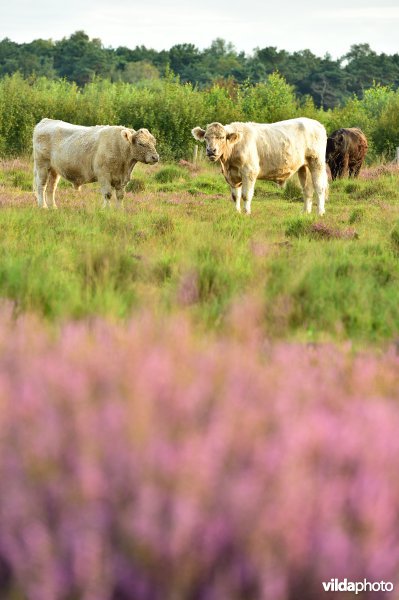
[336, 142]
[142, 144]
[219, 139]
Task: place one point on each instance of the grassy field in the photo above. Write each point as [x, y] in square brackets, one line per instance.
[179, 244]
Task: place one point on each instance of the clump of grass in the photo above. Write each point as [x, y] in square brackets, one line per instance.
[213, 281]
[167, 187]
[163, 224]
[297, 227]
[170, 173]
[163, 268]
[292, 191]
[207, 184]
[265, 189]
[356, 216]
[21, 179]
[352, 186]
[136, 185]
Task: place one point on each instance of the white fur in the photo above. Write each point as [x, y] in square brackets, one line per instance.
[103, 153]
[274, 151]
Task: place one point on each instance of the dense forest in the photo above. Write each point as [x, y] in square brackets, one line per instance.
[80, 59]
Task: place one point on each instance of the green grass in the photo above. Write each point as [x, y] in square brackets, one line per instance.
[334, 278]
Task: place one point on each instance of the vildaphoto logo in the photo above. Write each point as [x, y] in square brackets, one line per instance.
[334, 585]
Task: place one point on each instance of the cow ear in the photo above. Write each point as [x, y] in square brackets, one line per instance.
[127, 134]
[233, 137]
[198, 133]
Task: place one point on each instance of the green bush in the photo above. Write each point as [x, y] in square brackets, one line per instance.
[170, 110]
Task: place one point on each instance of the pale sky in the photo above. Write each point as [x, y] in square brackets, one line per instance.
[289, 25]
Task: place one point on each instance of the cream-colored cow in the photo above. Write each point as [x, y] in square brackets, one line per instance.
[275, 151]
[104, 153]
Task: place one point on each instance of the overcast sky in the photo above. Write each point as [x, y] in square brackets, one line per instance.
[290, 24]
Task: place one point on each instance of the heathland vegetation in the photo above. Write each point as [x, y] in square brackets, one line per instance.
[173, 374]
[179, 245]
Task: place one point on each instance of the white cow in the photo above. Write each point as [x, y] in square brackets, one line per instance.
[275, 151]
[104, 153]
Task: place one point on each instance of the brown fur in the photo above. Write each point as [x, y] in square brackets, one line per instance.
[345, 152]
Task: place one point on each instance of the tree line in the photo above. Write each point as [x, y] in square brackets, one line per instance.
[80, 59]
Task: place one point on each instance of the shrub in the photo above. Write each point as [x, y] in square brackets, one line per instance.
[271, 101]
[170, 110]
[138, 464]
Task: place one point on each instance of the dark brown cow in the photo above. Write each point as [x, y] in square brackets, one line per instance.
[346, 149]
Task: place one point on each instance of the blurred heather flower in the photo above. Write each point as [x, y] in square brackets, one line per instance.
[138, 463]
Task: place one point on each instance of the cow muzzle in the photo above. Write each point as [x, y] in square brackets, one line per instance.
[211, 155]
[154, 158]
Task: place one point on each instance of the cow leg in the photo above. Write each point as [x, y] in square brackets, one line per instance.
[236, 197]
[307, 188]
[248, 188]
[107, 191]
[320, 184]
[334, 168]
[345, 166]
[41, 175]
[52, 183]
[120, 194]
[354, 169]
